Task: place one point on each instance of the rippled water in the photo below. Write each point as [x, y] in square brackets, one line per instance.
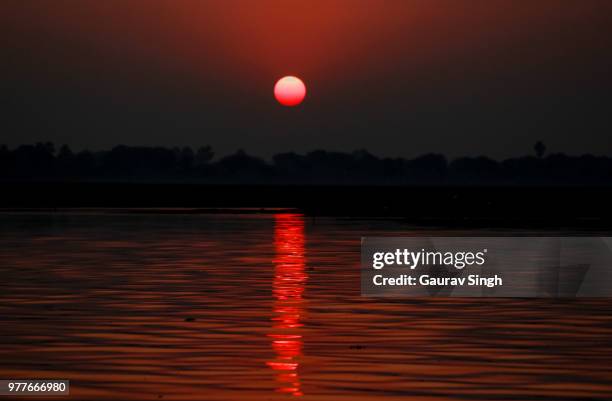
[267, 307]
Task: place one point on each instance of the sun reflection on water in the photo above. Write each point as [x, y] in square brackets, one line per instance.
[288, 288]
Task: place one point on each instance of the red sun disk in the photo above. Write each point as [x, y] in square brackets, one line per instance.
[290, 91]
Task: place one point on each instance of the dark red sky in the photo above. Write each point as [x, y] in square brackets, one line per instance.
[399, 78]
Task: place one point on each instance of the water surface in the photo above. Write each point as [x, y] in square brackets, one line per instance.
[267, 307]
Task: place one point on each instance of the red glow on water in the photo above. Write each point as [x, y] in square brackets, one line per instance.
[288, 287]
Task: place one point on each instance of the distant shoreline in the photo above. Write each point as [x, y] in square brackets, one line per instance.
[516, 206]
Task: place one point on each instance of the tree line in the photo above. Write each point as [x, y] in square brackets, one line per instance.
[42, 161]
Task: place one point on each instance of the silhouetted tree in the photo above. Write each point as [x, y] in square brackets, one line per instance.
[540, 149]
[86, 164]
[66, 166]
[329, 166]
[204, 155]
[32, 161]
[242, 164]
[474, 169]
[65, 153]
[186, 159]
[290, 164]
[40, 161]
[126, 161]
[427, 167]
[523, 169]
[5, 161]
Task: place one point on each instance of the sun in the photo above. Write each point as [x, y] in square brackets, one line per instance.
[290, 91]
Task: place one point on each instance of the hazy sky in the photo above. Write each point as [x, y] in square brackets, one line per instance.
[400, 78]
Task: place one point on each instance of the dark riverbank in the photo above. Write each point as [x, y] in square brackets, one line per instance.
[550, 206]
